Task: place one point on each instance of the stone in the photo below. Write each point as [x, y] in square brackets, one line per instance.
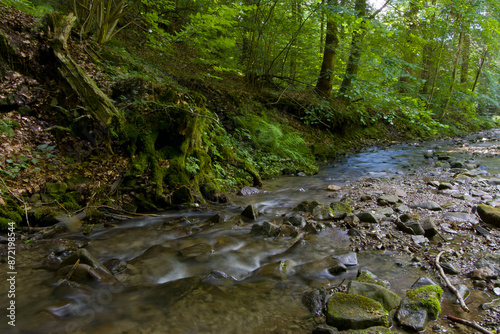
[449, 268]
[217, 277]
[315, 300]
[56, 188]
[489, 214]
[321, 212]
[367, 217]
[333, 187]
[430, 229]
[295, 220]
[348, 259]
[250, 212]
[85, 258]
[430, 205]
[388, 299]
[287, 230]
[197, 250]
[325, 329]
[319, 267]
[217, 219]
[350, 311]
[483, 274]
[83, 273]
[419, 306]
[411, 227]
[352, 220]
[388, 200]
[247, 191]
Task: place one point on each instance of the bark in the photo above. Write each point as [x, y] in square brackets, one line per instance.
[453, 75]
[464, 72]
[355, 53]
[479, 70]
[325, 79]
[96, 102]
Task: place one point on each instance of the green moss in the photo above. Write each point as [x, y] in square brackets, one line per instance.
[428, 297]
[5, 224]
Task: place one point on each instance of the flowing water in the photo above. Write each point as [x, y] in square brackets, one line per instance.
[189, 276]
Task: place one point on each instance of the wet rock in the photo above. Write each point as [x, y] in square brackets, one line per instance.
[325, 329]
[217, 277]
[430, 205]
[248, 191]
[388, 299]
[422, 281]
[115, 265]
[317, 268]
[333, 187]
[287, 230]
[297, 248]
[295, 220]
[217, 219]
[321, 212]
[411, 227]
[419, 306]
[458, 165]
[250, 212]
[367, 217]
[365, 275]
[315, 300]
[350, 311]
[85, 258]
[463, 292]
[348, 259]
[313, 227]
[197, 250]
[84, 272]
[269, 229]
[277, 270]
[489, 214]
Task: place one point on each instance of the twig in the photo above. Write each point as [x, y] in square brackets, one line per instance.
[448, 283]
[20, 200]
[471, 324]
[70, 273]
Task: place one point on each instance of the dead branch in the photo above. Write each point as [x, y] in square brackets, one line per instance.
[471, 324]
[448, 283]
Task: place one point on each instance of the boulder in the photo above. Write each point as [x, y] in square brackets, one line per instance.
[247, 191]
[250, 212]
[388, 299]
[420, 305]
[351, 311]
[367, 217]
[489, 214]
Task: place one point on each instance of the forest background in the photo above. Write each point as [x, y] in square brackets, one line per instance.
[198, 98]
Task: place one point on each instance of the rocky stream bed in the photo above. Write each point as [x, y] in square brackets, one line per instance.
[354, 248]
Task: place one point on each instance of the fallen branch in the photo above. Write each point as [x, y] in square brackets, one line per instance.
[448, 283]
[471, 324]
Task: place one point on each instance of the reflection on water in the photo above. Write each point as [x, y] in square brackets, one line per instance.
[187, 276]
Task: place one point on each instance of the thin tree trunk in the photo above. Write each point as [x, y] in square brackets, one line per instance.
[355, 53]
[464, 71]
[325, 79]
[479, 70]
[453, 75]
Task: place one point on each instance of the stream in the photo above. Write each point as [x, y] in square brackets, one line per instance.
[187, 274]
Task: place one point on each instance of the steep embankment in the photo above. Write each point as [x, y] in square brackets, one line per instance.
[174, 137]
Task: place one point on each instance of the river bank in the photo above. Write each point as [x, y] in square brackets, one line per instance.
[246, 266]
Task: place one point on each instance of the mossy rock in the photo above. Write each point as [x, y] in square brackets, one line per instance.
[182, 195]
[351, 311]
[384, 296]
[44, 216]
[489, 214]
[56, 188]
[419, 307]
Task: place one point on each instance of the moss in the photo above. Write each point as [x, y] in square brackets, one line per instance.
[365, 277]
[428, 297]
[5, 223]
[341, 206]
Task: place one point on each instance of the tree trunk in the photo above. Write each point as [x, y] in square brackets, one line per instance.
[479, 70]
[355, 53]
[464, 71]
[325, 79]
[96, 102]
[453, 75]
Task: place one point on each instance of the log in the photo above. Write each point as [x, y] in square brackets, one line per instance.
[96, 102]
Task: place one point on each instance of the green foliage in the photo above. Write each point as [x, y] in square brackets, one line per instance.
[27, 6]
[7, 126]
